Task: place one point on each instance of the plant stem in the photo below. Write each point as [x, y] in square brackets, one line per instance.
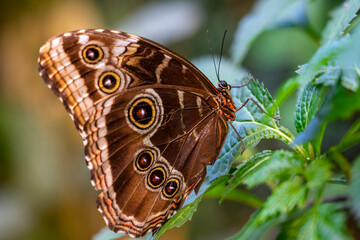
[319, 195]
[301, 151]
[337, 181]
[341, 161]
[351, 138]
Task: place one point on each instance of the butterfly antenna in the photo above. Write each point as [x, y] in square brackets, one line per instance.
[221, 53]
[212, 54]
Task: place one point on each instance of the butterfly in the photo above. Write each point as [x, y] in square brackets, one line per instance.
[150, 121]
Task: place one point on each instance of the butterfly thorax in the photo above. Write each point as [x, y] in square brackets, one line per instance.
[227, 106]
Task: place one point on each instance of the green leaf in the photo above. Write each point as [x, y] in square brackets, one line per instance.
[319, 222]
[342, 105]
[354, 190]
[337, 59]
[236, 195]
[307, 105]
[339, 104]
[329, 75]
[286, 90]
[322, 59]
[350, 78]
[251, 122]
[280, 166]
[264, 15]
[351, 138]
[186, 213]
[253, 230]
[317, 173]
[284, 199]
[349, 61]
[243, 170]
[183, 215]
[341, 18]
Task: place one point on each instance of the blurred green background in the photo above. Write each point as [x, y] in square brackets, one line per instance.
[45, 192]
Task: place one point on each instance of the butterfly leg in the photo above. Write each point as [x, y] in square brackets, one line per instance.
[242, 105]
[250, 79]
[247, 100]
[237, 109]
[242, 143]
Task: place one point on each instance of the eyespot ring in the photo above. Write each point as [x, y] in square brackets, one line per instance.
[92, 54]
[144, 160]
[156, 177]
[109, 82]
[142, 113]
[171, 188]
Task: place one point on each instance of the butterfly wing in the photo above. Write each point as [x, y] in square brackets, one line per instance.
[149, 121]
[131, 200]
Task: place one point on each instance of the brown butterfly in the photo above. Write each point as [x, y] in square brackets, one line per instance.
[150, 120]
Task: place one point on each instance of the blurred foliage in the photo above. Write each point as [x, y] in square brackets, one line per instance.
[44, 188]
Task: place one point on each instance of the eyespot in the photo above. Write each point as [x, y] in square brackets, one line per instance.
[144, 160]
[156, 177]
[109, 82]
[142, 113]
[171, 187]
[145, 111]
[92, 54]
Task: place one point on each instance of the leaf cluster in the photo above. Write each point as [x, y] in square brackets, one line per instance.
[328, 90]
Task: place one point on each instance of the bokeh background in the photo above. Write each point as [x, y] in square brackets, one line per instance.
[45, 192]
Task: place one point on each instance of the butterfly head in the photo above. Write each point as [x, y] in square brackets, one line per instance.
[228, 108]
[223, 85]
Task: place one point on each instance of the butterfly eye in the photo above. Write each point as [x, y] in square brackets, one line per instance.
[156, 177]
[171, 187]
[92, 54]
[223, 84]
[144, 160]
[142, 113]
[109, 82]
